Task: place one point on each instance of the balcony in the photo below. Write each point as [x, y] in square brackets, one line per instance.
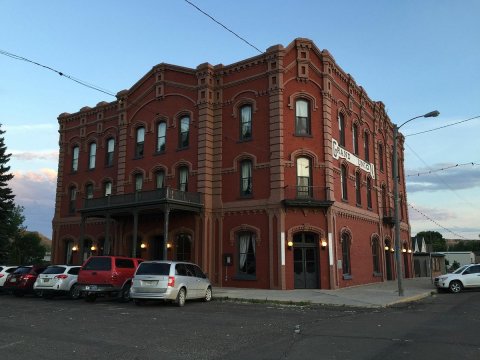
[389, 216]
[306, 196]
[176, 199]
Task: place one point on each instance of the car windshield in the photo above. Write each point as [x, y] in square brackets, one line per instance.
[54, 270]
[153, 269]
[460, 269]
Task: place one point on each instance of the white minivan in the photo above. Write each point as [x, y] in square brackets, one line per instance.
[175, 281]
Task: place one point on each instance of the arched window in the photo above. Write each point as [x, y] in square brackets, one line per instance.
[89, 191]
[73, 199]
[358, 188]
[161, 136]
[110, 152]
[107, 188]
[69, 252]
[92, 155]
[355, 138]
[138, 182]
[343, 181]
[380, 157]
[87, 249]
[246, 122]
[139, 142]
[302, 117]
[183, 247]
[376, 255]
[366, 146]
[341, 129]
[384, 200]
[75, 155]
[247, 264]
[183, 178]
[346, 265]
[369, 192]
[304, 181]
[184, 134]
[160, 179]
[246, 178]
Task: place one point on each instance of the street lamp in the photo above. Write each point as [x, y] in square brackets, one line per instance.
[398, 253]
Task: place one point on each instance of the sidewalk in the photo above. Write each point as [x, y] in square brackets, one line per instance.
[372, 295]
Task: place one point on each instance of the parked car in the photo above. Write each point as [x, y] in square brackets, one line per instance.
[170, 281]
[107, 275]
[466, 276]
[4, 272]
[21, 281]
[58, 280]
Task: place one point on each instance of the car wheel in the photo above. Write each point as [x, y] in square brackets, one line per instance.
[90, 297]
[208, 295]
[125, 293]
[181, 296]
[455, 286]
[74, 292]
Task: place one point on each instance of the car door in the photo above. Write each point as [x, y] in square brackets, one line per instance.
[471, 276]
[194, 281]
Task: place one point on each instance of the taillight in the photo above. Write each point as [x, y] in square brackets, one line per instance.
[28, 277]
[2, 275]
[171, 281]
[63, 276]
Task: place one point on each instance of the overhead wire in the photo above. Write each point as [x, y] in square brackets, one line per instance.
[442, 169]
[442, 127]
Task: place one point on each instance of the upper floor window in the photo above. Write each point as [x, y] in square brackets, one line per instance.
[246, 122]
[139, 142]
[246, 255]
[108, 188]
[72, 199]
[343, 181]
[160, 179]
[75, 155]
[355, 138]
[89, 191]
[184, 132]
[358, 187]
[246, 178]
[92, 156]
[369, 192]
[302, 117]
[183, 178]
[138, 182]
[161, 136]
[380, 156]
[366, 146]
[384, 200]
[303, 177]
[110, 152]
[341, 129]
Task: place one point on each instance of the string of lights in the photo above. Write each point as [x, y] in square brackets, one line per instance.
[442, 169]
[442, 127]
[78, 81]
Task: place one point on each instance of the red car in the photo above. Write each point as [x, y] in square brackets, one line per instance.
[107, 275]
[21, 281]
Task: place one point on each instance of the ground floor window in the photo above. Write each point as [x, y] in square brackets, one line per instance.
[246, 255]
[346, 265]
[183, 247]
[376, 256]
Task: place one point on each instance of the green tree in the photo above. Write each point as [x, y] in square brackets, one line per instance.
[433, 238]
[27, 248]
[7, 205]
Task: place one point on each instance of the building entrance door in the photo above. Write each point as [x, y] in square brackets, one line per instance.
[388, 264]
[305, 261]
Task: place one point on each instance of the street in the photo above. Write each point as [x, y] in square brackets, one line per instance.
[444, 326]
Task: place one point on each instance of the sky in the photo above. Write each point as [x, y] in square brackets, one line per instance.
[414, 56]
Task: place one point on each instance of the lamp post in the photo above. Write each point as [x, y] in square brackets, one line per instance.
[398, 259]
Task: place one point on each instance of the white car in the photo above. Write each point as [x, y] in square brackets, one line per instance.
[467, 276]
[175, 281]
[4, 272]
[58, 280]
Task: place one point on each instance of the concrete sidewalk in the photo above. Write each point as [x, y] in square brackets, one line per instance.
[372, 295]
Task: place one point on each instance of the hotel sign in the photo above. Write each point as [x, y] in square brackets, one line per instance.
[339, 152]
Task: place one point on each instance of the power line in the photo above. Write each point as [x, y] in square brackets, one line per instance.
[442, 169]
[442, 127]
[226, 28]
[78, 81]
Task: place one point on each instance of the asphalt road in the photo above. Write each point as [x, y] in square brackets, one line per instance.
[445, 326]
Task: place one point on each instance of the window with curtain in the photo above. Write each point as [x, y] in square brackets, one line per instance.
[161, 136]
[369, 192]
[358, 188]
[89, 191]
[184, 132]
[246, 178]
[302, 117]
[75, 155]
[343, 182]
[138, 182]
[246, 122]
[183, 178]
[160, 179]
[366, 146]
[92, 155]
[246, 255]
[110, 152]
[376, 255]
[341, 129]
[380, 156]
[303, 177]
[355, 138]
[139, 142]
[346, 265]
[73, 199]
[108, 188]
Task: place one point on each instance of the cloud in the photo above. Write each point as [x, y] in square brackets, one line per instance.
[29, 127]
[448, 177]
[50, 155]
[417, 213]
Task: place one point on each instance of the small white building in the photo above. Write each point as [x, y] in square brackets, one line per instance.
[462, 257]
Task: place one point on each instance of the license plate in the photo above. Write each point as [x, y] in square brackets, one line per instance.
[13, 280]
[149, 282]
[91, 287]
[46, 280]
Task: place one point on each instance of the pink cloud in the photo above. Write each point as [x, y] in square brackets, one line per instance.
[35, 155]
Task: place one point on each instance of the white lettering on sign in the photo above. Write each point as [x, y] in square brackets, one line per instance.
[339, 152]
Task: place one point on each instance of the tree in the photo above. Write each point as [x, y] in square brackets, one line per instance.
[7, 205]
[27, 248]
[433, 238]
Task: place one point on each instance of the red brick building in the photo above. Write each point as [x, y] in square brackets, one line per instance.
[273, 172]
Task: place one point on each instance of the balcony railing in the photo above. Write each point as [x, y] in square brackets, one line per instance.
[139, 198]
[389, 216]
[307, 196]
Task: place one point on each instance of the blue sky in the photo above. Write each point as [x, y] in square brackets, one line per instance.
[414, 56]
